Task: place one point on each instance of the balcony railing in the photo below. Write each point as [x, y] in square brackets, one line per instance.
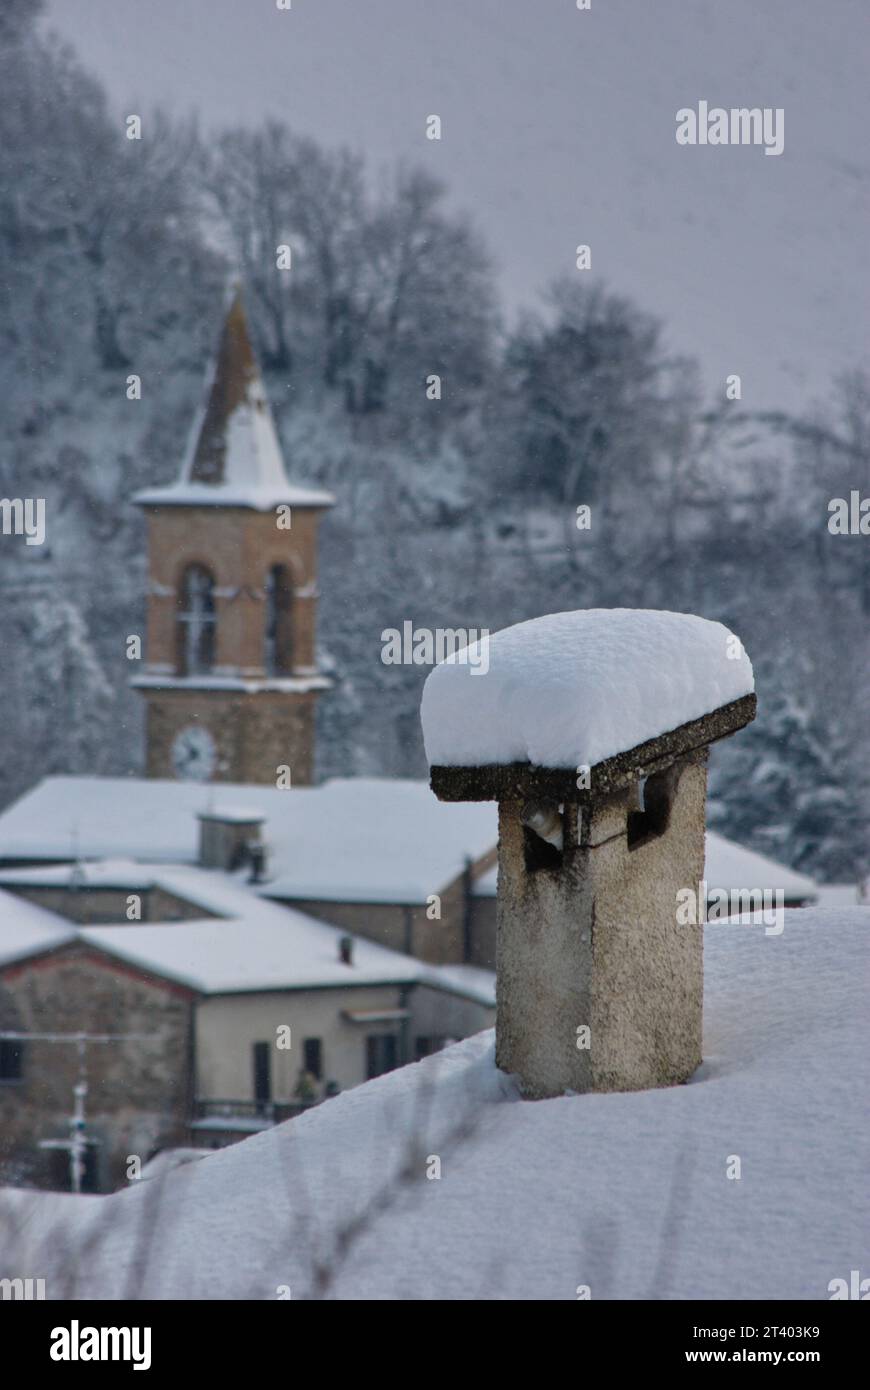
[272, 1112]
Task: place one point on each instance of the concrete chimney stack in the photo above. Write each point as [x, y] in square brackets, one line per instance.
[599, 987]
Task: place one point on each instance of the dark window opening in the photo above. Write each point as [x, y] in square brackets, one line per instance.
[278, 656]
[313, 1053]
[196, 623]
[11, 1059]
[382, 1053]
[652, 821]
[424, 1047]
[262, 1073]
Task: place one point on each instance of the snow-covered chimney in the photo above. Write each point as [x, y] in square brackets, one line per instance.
[226, 836]
[591, 730]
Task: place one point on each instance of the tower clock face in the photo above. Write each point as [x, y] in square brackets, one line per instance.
[194, 755]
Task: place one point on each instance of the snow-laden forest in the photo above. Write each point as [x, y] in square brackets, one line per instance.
[453, 512]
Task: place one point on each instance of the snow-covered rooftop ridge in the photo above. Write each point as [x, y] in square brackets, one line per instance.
[233, 457]
[572, 689]
[91, 873]
[624, 1193]
[360, 839]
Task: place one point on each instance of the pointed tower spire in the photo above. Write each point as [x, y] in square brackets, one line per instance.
[233, 457]
[231, 680]
[235, 386]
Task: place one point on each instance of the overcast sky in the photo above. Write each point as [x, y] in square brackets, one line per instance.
[559, 128]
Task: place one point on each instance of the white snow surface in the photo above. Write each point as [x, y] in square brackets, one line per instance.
[841, 895]
[95, 873]
[28, 930]
[626, 1193]
[575, 688]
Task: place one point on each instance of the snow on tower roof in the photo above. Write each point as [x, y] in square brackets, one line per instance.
[574, 689]
[233, 458]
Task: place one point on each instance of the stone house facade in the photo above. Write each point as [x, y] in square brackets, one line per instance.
[140, 1091]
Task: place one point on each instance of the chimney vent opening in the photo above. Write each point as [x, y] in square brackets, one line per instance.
[543, 836]
[656, 797]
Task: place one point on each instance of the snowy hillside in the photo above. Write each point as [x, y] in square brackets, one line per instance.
[555, 395]
[627, 1194]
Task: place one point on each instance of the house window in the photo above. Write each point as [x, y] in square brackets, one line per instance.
[262, 1073]
[312, 1049]
[382, 1052]
[196, 622]
[10, 1059]
[278, 655]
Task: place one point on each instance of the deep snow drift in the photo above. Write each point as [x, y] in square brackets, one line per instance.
[626, 1193]
[571, 689]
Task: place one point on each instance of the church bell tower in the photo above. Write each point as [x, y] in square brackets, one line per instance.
[231, 682]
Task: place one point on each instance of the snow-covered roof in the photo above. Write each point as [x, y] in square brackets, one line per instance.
[626, 1194]
[351, 839]
[233, 457]
[249, 944]
[266, 950]
[572, 689]
[123, 874]
[727, 865]
[471, 981]
[28, 930]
